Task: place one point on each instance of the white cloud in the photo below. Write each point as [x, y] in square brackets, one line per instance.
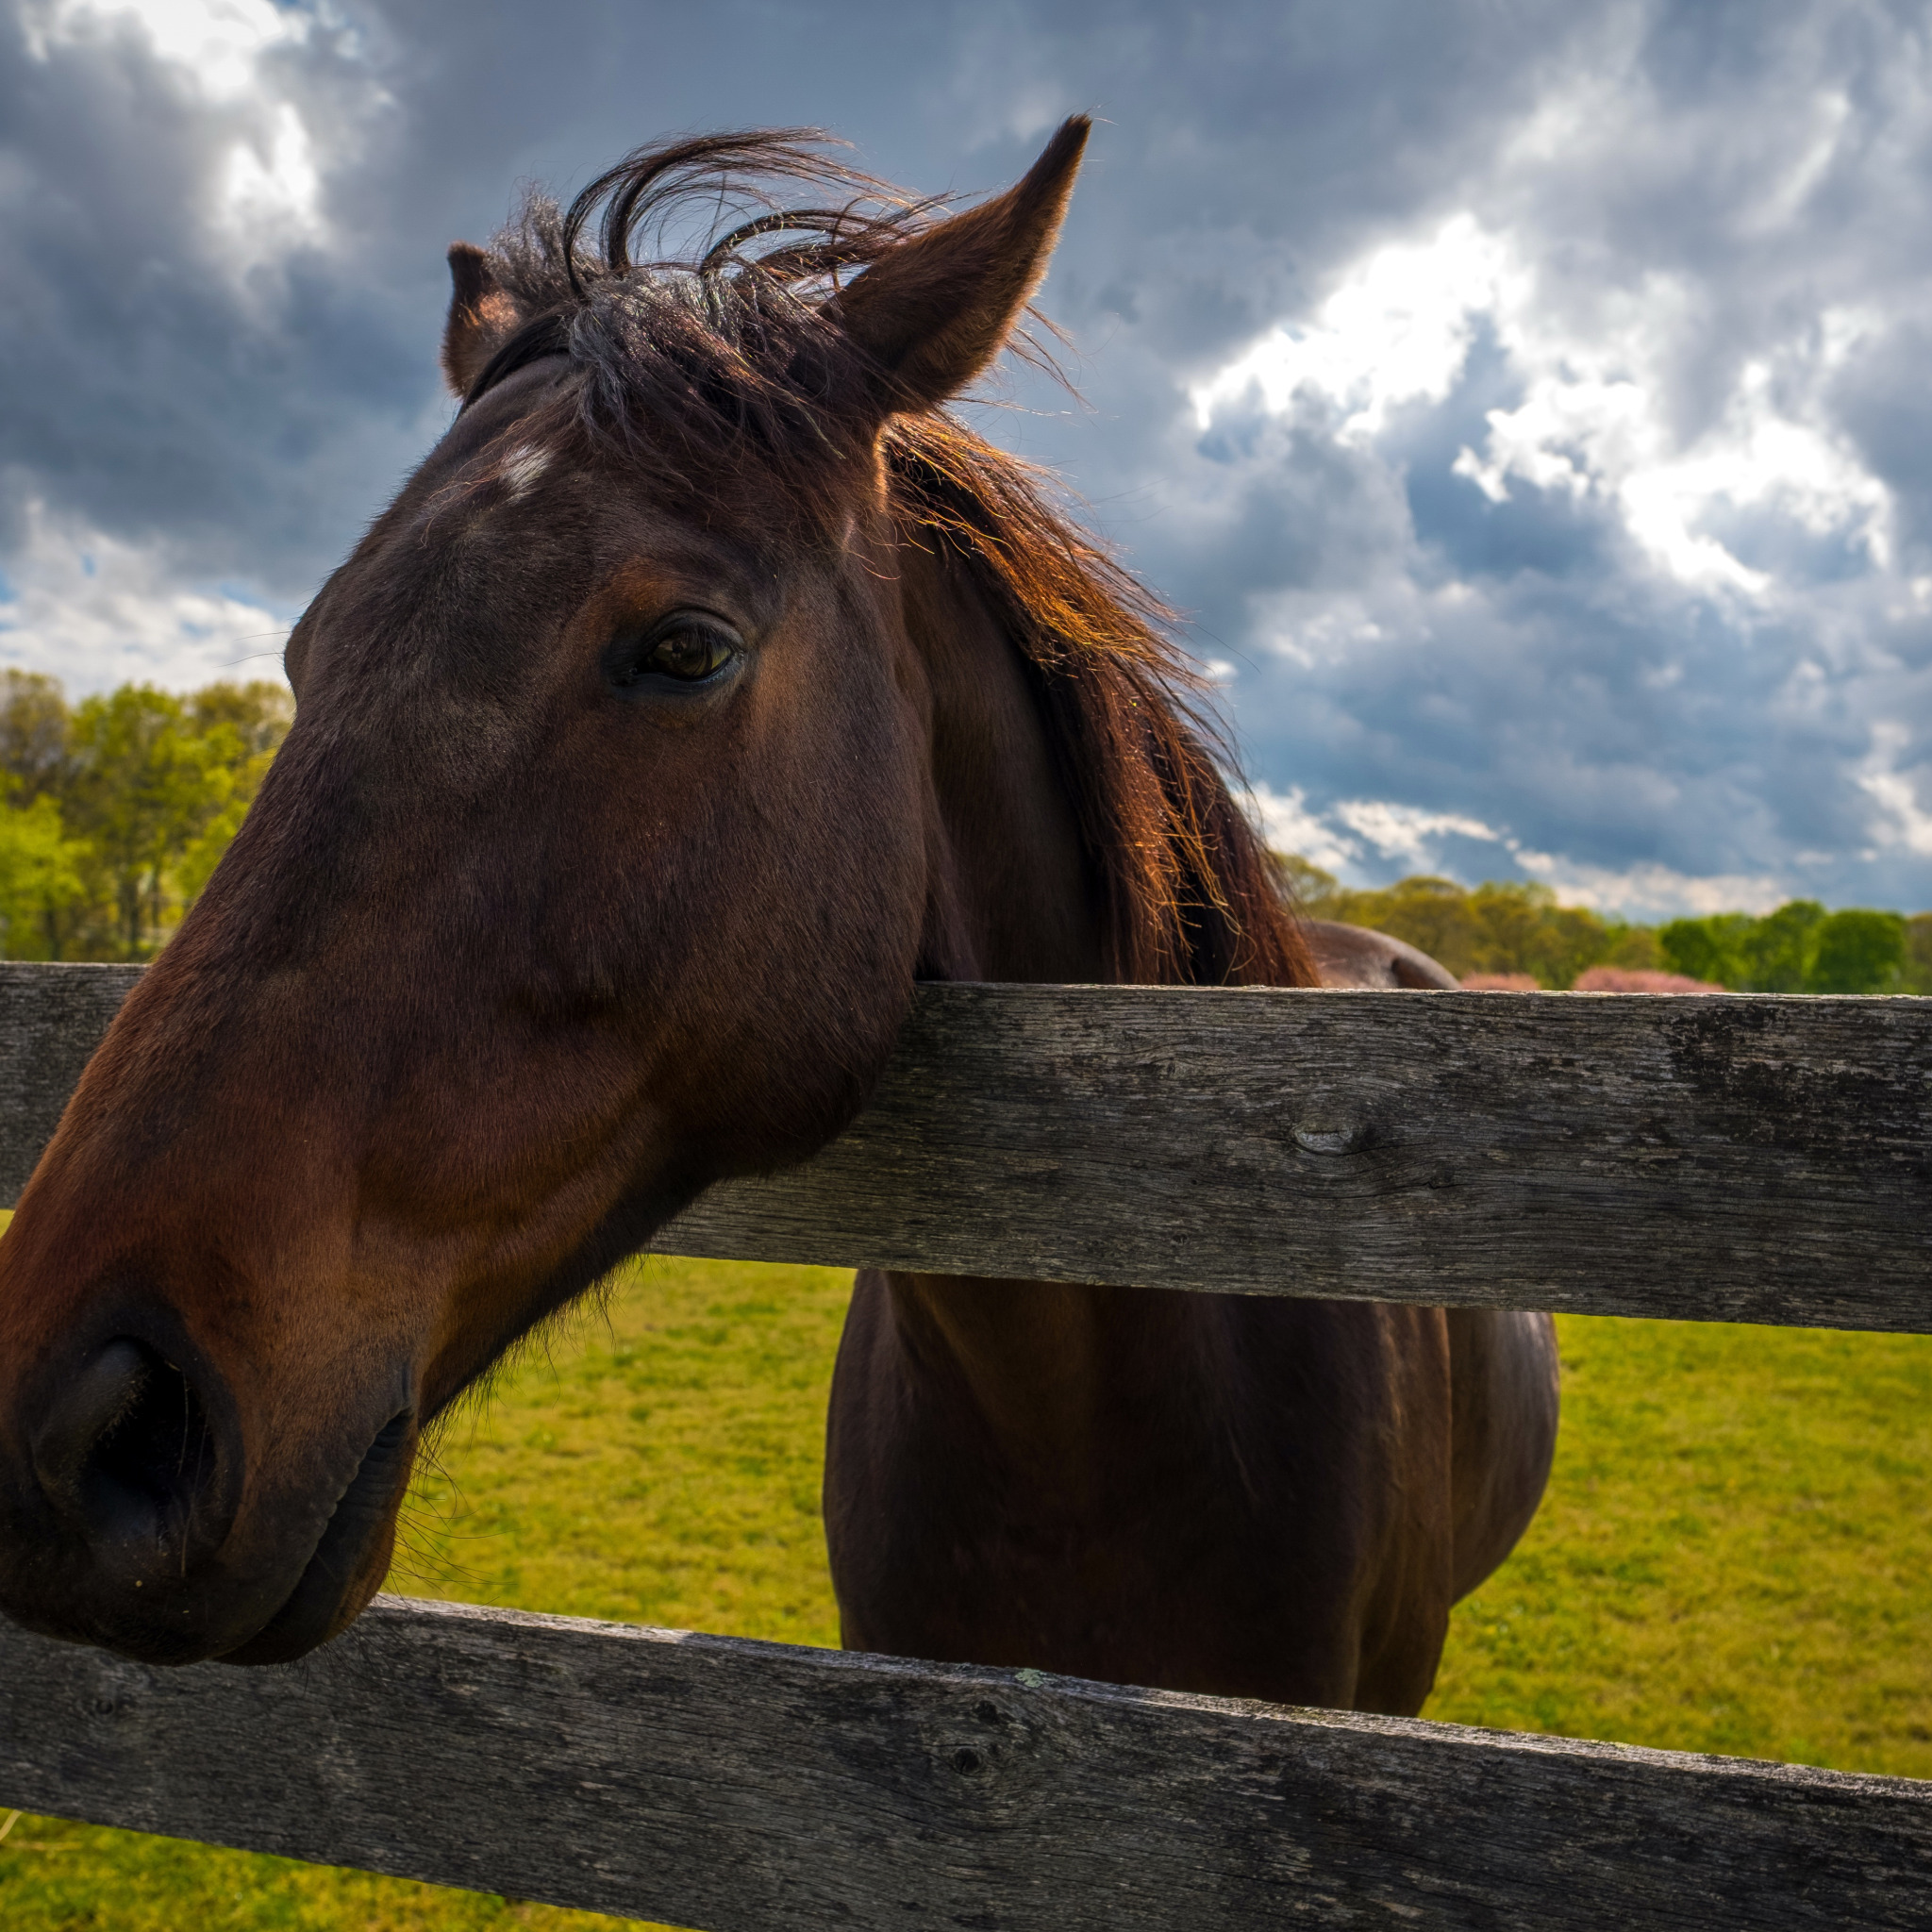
[215, 43]
[1650, 335]
[1904, 821]
[271, 194]
[96, 612]
[266, 197]
[1396, 330]
[1321, 628]
[1649, 893]
[1590, 432]
[1360, 831]
[1406, 832]
[1654, 276]
[1287, 826]
[1360, 839]
[1599, 417]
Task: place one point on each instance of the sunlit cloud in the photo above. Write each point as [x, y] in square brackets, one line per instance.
[1598, 419]
[215, 44]
[1356, 830]
[1543, 466]
[1611, 539]
[271, 194]
[1286, 824]
[265, 197]
[1396, 330]
[1408, 833]
[1591, 433]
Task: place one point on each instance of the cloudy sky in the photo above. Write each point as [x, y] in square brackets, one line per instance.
[1529, 403]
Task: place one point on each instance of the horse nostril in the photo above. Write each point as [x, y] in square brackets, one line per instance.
[128, 1454]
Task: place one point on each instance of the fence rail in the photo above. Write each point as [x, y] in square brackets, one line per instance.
[1741, 1157]
[741, 1787]
[1737, 1157]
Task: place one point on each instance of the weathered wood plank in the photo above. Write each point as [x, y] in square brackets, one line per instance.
[1742, 1158]
[51, 1020]
[741, 1787]
[1739, 1157]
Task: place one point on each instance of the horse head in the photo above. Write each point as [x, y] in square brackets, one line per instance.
[597, 866]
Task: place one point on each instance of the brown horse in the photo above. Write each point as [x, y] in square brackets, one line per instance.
[705, 687]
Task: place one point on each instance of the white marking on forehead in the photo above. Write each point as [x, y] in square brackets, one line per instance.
[522, 469]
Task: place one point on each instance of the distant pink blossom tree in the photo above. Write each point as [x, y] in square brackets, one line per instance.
[1639, 979]
[1595, 980]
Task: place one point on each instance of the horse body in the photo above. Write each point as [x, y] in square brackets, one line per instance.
[1237, 1495]
[705, 686]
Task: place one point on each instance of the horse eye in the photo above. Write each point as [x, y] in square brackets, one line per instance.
[691, 653]
[685, 648]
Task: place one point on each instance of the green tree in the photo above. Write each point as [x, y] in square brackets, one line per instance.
[1777, 953]
[44, 894]
[1633, 946]
[40, 871]
[246, 723]
[261, 713]
[34, 732]
[1502, 926]
[1311, 891]
[1799, 948]
[1509, 926]
[145, 791]
[201, 855]
[1711, 948]
[1858, 951]
[1525, 930]
[1432, 914]
[145, 786]
[1917, 975]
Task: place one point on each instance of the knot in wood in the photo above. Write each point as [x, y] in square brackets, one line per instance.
[1332, 1140]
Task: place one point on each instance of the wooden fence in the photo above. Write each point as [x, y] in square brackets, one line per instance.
[1742, 1158]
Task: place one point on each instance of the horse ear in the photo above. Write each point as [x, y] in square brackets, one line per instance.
[931, 313]
[482, 316]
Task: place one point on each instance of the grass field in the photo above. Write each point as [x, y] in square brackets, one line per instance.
[1731, 1558]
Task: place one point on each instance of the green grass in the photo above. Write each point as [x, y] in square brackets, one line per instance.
[1730, 1558]
[658, 1464]
[1733, 1555]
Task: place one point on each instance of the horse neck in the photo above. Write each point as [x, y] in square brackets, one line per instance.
[1013, 898]
[1012, 895]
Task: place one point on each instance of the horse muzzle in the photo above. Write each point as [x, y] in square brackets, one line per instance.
[351, 1558]
[122, 1524]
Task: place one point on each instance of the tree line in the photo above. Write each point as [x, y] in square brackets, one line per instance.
[1514, 927]
[115, 810]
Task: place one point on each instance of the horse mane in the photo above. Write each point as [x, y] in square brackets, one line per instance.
[1190, 895]
[723, 369]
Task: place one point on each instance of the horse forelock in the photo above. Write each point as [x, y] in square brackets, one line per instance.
[705, 319]
[713, 370]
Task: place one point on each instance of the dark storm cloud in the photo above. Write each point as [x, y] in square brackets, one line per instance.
[1713, 203]
[230, 414]
[159, 384]
[1745, 194]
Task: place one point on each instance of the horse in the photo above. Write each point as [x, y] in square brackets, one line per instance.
[709, 684]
